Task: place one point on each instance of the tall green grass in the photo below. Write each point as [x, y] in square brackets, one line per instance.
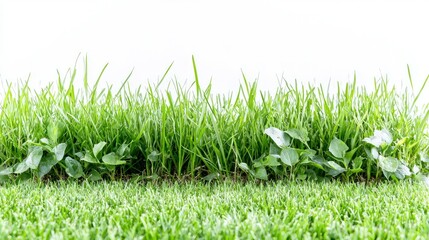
[186, 131]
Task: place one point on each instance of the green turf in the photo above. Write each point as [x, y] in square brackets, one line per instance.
[119, 210]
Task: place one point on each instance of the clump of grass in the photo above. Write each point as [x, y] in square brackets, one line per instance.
[185, 131]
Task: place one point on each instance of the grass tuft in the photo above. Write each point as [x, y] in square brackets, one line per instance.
[188, 132]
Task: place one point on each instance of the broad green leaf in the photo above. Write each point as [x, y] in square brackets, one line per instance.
[385, 136]
[338, 148]
[387, 174]
[424, 157]
[244, 167]
[123, 150]
[110, 168]
[275, 156]
[21, 167]
[6, 171]
[334, 165]
[388, 164]
[274, 150]
[59, 151]
[289, 156]
[79, 155]
[97, 148]
[319, 159]
[45, 141]
[258, 163]
[271, 161]
[334, 168]
[402, 172]
[154, 156]
[308, 153]
[374, 153]
[34, 157]
[55, 130]
[374, 141]
[371, 153]
[349, 154]
[316, 161]
[423, 178]
[94, 175]
[261, 173]
[112, 159]
[379, 138]
[73, 168]
[357, 162]
[416, 169]
[280, 138]
[46, 165]
[89, 158]
[387, 151]
[315, 164]
[277, 170]
[305, 161]
[299, 134]
[368, 153]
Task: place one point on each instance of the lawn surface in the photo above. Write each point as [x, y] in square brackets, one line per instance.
[119, 210]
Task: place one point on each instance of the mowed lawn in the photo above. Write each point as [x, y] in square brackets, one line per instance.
[224, 210]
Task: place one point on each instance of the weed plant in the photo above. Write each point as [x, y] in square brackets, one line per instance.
[188, 132]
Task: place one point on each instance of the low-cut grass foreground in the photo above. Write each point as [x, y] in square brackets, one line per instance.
[222, 210]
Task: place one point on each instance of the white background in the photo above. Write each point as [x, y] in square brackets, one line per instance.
[314, 41]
